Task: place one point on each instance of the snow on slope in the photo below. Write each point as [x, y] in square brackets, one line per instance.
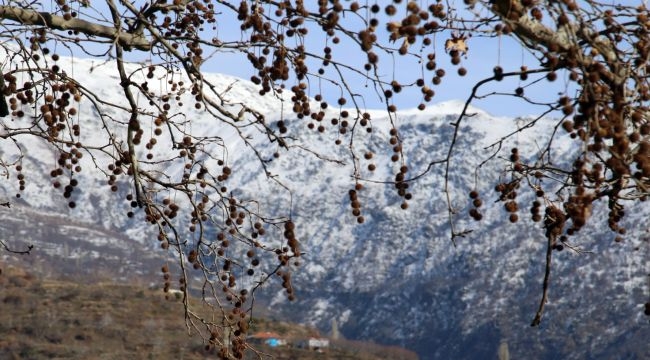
[397, 278]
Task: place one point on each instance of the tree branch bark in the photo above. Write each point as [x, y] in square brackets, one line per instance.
[568, 39]
[32, 17]
[529, 31]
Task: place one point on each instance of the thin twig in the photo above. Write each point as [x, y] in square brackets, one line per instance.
[547, 275]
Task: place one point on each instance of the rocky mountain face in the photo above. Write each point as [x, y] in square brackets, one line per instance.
[397, 278]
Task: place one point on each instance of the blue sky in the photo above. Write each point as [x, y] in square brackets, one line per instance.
[483, 55]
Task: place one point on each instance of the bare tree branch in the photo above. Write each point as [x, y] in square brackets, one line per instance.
[32, 17]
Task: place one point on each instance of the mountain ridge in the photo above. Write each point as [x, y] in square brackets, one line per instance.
[397, 278]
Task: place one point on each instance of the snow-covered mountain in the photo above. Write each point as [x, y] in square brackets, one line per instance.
[396, 278]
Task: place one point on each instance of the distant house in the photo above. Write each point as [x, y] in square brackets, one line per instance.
[316, 344]
[269, 338]
[177, 294]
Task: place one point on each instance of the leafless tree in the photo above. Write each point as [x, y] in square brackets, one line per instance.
[599, 48]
